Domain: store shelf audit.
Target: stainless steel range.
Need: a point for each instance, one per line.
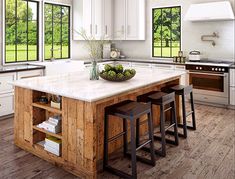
(210, 81)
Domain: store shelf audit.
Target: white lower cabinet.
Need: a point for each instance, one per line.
(7, 90)
(5, 78)
(232, 96)
(6, 104)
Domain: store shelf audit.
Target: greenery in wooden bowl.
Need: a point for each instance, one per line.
(117, 73)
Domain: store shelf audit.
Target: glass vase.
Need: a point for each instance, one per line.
(94, 71)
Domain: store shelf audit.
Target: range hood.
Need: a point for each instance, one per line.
(212, 11)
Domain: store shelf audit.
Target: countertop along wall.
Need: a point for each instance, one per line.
(191, 35)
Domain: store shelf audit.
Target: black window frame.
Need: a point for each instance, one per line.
(16, 19)
(69, 31)
(180, 46)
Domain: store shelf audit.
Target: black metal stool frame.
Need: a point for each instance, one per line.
(134, 157)
(174, 124)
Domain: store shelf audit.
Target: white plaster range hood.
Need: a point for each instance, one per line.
(212, 11)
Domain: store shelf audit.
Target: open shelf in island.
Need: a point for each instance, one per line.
(59, 135)
(47, 107)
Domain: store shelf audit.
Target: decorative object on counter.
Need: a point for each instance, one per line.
(43, 100)
(194, 56)
(56, 101)
(106, 50)
(117, 73)
(180, 58)
(214, 35)
(115, 53)
(95, 47)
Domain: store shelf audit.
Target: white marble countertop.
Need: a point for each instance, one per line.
(77, 85)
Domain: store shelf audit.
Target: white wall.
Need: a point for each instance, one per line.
(191, 35)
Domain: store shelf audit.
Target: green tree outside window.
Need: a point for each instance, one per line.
(166, 32)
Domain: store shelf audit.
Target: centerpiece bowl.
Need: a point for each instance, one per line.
(116, 73)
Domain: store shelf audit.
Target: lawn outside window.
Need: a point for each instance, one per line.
(56, 31)
(21, 31)
(166, 31)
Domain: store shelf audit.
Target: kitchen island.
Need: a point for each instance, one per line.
(82, 111)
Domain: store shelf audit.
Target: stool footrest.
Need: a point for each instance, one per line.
(170, 126)
(141, 159)
(188, 127)
(158, 152)
(169, 141)
(117, 172)
(188, 114)
(142, 145)
(116, 136)
(179, 134)
(167, 109)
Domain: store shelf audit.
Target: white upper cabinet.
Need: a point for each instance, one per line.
(94, 16)
(129, 19)
(119, 14)
(111, 19)
(135, 19)
(108, 19)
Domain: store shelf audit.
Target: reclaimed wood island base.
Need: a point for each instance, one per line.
(82, 127)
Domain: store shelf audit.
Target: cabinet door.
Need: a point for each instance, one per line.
(5, 79)
(232, 95)
(87, 17)
(108, 19)
(135, 19)
(97, 8)
(119, 19)
(6, 104)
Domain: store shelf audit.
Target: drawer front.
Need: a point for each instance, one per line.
(6, 104)
(5, 87)
(163, 66)
(29, 74)
(232, 95)
(232, 77)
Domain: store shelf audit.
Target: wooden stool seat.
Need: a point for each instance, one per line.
(128, 110)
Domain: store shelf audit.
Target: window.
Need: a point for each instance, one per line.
(57, 31)
(166, 32)
(21, 31)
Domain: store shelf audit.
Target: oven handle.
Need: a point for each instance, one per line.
(224, 75)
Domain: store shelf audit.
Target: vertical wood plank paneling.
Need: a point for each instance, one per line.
(28, 120)
(89, 137)
(72, 124)
(80, 132)
(65, 129)
(16, 117)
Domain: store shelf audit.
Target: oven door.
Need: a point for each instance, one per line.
(213, 84)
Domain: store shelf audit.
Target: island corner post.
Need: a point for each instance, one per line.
(82, 127)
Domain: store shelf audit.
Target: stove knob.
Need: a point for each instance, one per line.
(219, 69)
(213, 69)
(200, 68)
(196, 68)
(223, 69)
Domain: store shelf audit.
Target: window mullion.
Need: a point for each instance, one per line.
(61, 32)
(27, 31)
(16, 41)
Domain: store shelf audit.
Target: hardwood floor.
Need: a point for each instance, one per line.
(207, 153)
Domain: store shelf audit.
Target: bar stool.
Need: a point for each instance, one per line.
(161, 99)
(182, 90)
(128, 110)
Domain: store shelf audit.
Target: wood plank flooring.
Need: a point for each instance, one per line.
(207, 153)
